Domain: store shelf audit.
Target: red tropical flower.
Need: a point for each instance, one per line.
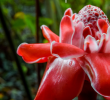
(78, 57)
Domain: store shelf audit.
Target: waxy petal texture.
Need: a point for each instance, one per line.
(66, 30)
(62, 80)
(97, 67)
(66, 51)
(32, 53)
(48, 34)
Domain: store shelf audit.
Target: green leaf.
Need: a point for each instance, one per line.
(45, 41)
(6, 1)
(97, 2)
(45, 21)
(18, 24)
(30, 22)
(2, 36)
(65, 5)
(24, 68)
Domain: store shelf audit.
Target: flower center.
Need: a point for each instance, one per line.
(89, 15)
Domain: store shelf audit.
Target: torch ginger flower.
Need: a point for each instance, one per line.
(76, 58)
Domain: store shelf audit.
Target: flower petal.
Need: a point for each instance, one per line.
(102, 43)
(102, 25)
(107, 44)
(68, 12)
(73, 16)
(91, 44)
(66, 51)
(62, 80)
(108, 34)
(48, 34)
(32, 53)
(66, 30)
(87, 31)
(97, 67)
(78, 39)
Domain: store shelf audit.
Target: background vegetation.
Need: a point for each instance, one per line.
(22, 19)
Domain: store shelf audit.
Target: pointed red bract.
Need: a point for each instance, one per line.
(97, 67)
(32, 53)
(87, 31)
(73, 16)
(68, 12)
(66, 30)
(65, 51)
(102, 25)
(62, 80)
(48, 34)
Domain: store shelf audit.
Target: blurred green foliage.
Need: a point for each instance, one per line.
(20, 16)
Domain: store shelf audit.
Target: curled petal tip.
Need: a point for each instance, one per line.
(18, 49)
(48, 34)
(43, 26)
(32, 53)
